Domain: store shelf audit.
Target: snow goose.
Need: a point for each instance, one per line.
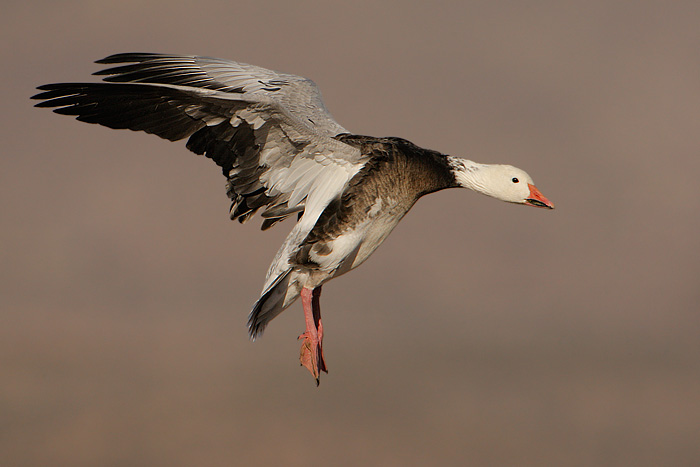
(282, 153)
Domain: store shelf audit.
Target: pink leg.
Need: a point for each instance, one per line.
(311, 355)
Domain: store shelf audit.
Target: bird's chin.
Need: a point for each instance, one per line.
(537, 203)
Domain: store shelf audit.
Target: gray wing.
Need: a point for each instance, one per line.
(269, 132)
(300, 96)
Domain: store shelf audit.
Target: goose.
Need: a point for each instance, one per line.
(282, 153)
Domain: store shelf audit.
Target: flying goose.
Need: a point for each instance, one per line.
(282, 153)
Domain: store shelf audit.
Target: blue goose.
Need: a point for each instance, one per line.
(283, 154)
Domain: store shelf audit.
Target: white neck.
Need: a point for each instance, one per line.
(467, 173)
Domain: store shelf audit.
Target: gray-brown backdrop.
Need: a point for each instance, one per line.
(480, 333)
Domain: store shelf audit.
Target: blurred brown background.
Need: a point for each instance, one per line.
(480, 333)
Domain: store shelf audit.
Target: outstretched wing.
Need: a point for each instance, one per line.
(269, 132)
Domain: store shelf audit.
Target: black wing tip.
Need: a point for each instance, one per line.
(130, 57)
(40, 96)
(46, 88)
(43, 103)
(53, 91)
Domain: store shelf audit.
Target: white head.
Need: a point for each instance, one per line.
(503, 182)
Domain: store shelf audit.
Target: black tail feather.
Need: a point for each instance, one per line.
(268, 306)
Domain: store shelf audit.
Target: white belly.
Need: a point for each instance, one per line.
(354, 246)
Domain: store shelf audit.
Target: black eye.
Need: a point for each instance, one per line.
(515, 180)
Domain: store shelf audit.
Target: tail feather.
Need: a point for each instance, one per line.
(269, 305)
